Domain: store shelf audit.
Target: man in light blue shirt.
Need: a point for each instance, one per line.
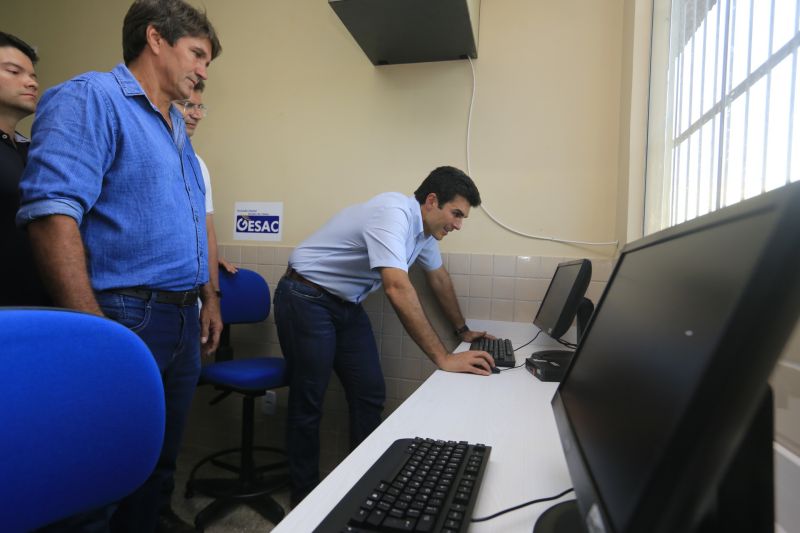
(113, 200)
(323, 328)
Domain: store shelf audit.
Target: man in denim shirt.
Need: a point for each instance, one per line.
(113, 200)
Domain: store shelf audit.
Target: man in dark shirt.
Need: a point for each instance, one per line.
(19, 92)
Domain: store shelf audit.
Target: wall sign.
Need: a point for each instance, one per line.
(258, 221)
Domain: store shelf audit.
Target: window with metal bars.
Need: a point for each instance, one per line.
(723, 121)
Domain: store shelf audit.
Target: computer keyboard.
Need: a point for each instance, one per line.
(420, 485)
(500, 349)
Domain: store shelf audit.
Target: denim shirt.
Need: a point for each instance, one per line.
(345, 255)
(103, 155)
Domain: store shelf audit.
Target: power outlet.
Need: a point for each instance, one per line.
(269, 403)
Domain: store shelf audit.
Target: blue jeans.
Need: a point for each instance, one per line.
(172, 333)
(319, 334)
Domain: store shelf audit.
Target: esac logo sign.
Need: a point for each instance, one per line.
(258, 221)
(258, 224)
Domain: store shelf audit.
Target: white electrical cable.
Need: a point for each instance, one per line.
(483, 204)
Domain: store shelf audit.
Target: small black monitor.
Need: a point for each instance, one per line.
(564, 297)
(665, 414)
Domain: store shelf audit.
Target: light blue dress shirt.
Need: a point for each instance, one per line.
(345, 254)
(103, 155)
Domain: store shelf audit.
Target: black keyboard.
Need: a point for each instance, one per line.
(500, 349)
(420, 485)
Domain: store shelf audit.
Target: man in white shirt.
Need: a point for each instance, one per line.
(194, 110)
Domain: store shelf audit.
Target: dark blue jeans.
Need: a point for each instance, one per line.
(172, 333)
(320, 334)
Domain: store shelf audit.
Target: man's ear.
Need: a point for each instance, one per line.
(432, 200)
(154, 39)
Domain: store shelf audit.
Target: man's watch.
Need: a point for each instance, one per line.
(463, 329)
(218, 293)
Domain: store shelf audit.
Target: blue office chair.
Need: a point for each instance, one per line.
(245, 300)
(81, 412)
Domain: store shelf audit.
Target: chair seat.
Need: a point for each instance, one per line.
(256, 374)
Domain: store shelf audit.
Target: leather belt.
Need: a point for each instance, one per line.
(181, 298)
(296, 276)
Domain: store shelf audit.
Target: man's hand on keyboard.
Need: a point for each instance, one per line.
(472, 361)
(471, 336)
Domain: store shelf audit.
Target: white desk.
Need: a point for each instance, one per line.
(509, 411)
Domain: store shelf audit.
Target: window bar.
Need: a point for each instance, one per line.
(724, 129)
(747, 101)
(715, 177)
(689, 110)
(680, 72)
(702, 100)
(766, 104)
(791, 98)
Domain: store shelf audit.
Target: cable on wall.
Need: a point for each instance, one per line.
(483, 204)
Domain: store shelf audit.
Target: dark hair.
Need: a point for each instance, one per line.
(447, 183)
(6, 39)
(200, 86)
(172, 18)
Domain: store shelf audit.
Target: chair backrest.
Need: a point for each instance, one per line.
(245, 297)
(81, 414)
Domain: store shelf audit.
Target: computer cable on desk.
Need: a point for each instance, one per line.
(510, 368)
(520, 506)
(530, 341)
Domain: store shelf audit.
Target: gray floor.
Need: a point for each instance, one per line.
(241, 520)
(210, 429)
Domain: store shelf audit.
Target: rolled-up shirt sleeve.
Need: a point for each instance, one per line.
(73, 145)
(385, 234)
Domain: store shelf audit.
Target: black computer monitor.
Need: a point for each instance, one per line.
(564, 298)
(665, 414)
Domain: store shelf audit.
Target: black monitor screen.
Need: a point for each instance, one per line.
(674, 364)
(563, 296)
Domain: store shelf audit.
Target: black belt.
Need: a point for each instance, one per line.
(163, 297)
(295, 275)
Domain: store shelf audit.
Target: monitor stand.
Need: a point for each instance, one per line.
(563, 517)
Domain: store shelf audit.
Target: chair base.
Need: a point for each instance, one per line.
(251, 488)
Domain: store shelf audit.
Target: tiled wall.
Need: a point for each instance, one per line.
(496, 287)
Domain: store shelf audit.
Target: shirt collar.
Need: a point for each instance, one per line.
(418, 228)
(130, 86)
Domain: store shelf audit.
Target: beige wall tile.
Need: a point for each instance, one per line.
(480, 286)
(530, 288)
(266, 255)
(503, 288)
(481, 264)
(504, 265)
(480, 308)
(391, 345)
(460, 284)
(233, 253)
(282, 255)
(401, 367)
(502, 310)
(250, 254)
(528, 266)
(458, 263)
(525, 311)
(391, 323)
(410, 348)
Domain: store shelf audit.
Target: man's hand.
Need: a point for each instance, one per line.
(471, 361)
(229, 267)
(471, 336)
(210, 324)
